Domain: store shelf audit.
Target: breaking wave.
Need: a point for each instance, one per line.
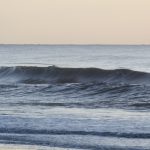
(53, 74)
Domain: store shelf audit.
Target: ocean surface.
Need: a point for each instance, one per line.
(74, 97)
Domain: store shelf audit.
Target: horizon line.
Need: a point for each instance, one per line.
(76, 44)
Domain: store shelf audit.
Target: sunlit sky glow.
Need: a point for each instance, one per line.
(75, 21)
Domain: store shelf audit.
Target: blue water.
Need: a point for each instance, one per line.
(74, 97)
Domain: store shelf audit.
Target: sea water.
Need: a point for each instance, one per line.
(58, 97)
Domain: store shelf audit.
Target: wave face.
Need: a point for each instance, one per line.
(53, 74)
(88, 88)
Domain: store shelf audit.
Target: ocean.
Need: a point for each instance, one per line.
(75, 97)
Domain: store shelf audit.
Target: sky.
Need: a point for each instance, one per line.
(75, 21)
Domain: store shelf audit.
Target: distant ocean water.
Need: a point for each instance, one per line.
(75, 97)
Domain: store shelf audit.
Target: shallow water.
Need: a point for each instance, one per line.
(74, 97)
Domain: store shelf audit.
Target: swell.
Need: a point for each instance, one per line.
(87, 133)
(81, 95)
(53, 74)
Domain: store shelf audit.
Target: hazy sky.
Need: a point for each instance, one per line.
(75, 21)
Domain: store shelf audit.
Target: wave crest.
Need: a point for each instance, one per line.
(53, 74)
